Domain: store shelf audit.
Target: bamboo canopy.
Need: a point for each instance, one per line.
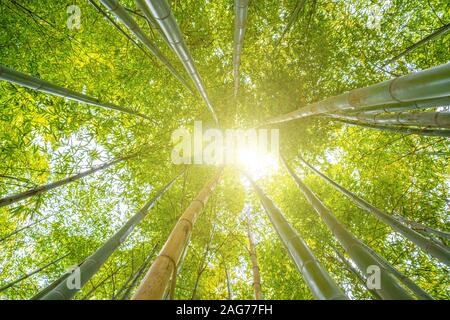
(240, 22)
(157, 280)
(37, 84)
(8, 200)
(316, 277)
(162, 13)
(389, 287)
(425, 119)
(431, 248)
(115, 7)
(93, 263)
(428, 84)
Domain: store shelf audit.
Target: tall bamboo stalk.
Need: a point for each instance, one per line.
(98, 285)
(411, 285)
(425, 119)
(115, 7)
(255, 267)
(137, 275)
(26, 276)
(418, 44)
(161, 12)
(26, 227)
(430, 247)
(93, 263)
(240, 24)
(316, 277)
(157, 280)
(292, 18)
(400, 129)
(427, 84)
(44, 188)
(407, 106)
(389, 287)
(203, 265)
(37, 84)
(421, 227)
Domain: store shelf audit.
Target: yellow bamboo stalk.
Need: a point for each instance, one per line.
(164, 268)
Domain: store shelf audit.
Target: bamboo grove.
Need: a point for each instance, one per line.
(91, 92)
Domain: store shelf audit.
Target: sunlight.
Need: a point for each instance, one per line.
(257, 164)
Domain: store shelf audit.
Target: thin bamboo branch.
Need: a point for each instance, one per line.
(8, 200)
(98, 285)
(37, 84)
(442, 30)
(140, 272)
(24, 228)
(292, 19)
(26, 276)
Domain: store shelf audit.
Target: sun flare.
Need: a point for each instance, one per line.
(257, 164)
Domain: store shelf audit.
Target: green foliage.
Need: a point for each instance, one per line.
(329, 49)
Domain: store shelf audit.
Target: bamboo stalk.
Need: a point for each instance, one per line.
(389, 288)
(138, 275)
(293, 17)
(202, 266)
(132, 275)
(24, 228)
(316, 277)
(116, 8)
(407, 106)
(37, 84)
(162, 14)
(425, 119)
(255, 267)
(98, 285)
(400, 129)
(430, 247)
(427, 84)
(26, 276)
(93, 263)
(240, 24)
(157, 280)
(421, 227)
(8, 200)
